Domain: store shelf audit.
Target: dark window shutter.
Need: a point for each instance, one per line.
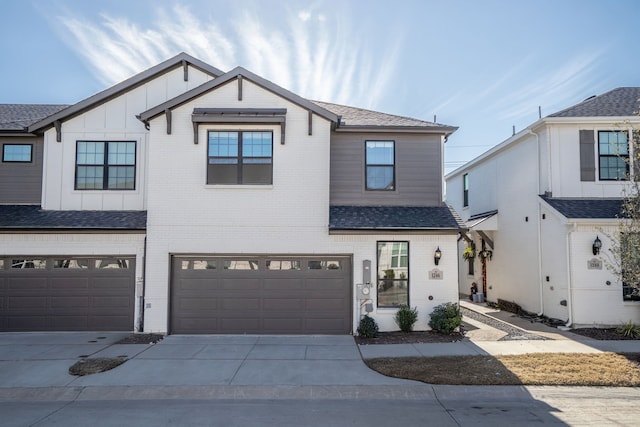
(587, 156)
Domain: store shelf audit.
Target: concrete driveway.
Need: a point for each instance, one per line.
(43, 360)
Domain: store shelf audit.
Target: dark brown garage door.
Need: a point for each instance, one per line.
(261, 295)
(66, 293)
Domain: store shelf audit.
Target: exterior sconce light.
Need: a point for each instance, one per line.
(437, 256)
(597, 245)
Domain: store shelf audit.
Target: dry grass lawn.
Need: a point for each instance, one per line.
(575, 369)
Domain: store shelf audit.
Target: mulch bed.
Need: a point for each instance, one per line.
(141, 339)
(93, 366)
(415, 337)
(601, 334)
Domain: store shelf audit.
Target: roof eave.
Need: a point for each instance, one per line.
(446, 130)
(122, 87)
(227, 78)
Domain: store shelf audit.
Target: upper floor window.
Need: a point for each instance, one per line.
(240, 157)
(105, 165)
(380, 168)
(17, 153)
(465, 190)
(613, 151)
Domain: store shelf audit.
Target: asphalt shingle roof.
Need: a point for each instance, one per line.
(586, 208)
(622, 101)
(34, 217)
(16, 117)
(352, 116)
(392, 218)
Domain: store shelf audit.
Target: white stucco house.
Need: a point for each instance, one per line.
(539, 200)
(191, 200)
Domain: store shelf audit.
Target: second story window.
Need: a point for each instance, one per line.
(105, 165)
(380, 171)
(465, 190)
(17, 153)
(240, 158)
(613, 152)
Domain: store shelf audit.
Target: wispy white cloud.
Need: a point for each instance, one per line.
(313, 55)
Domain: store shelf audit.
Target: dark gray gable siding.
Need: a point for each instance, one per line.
(393, 218)
(25, 217)
(584, 208)
(587, 156)
(418, 170)
(22, 182)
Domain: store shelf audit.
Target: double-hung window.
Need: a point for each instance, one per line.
(613, 151)
(240, 157)
(105, 165)
(393, 274)
(465, 190)
(380, 165)
(17, 153)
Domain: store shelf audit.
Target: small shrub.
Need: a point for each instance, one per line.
(445, 318)
(368, 328)
(406, 317)
(629, 330)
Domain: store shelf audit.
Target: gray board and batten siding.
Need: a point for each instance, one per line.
(418, 173)
(21, 182)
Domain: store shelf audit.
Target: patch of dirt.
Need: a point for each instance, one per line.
(601, 334)
(94, 366)
(415, 337)
(141, 339)
(574, 369)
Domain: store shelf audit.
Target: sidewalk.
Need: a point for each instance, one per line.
(485, 340)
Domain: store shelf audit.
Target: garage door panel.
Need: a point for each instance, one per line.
(108, 323)
(69, 302)
(112, 302)
(111, 283)
(194, 303)
(27, 323)
(275, 297)
(241, 283)
(73, 283)
(26, 302)
(240, 303)
(27, 282)
(249, 325)
(198, 284)
(283, 284)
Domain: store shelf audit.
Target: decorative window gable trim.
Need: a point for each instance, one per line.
(239, 115)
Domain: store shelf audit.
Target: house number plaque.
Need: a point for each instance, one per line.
(436, 274)
(594, 264)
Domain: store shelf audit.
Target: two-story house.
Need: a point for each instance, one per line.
(545, 205)
(189, 200)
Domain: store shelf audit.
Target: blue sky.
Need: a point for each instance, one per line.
(482, 65)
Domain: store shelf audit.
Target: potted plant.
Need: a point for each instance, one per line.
(469, 253)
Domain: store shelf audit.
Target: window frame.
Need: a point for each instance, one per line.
(367, 165)
(383, 281)
(465, 190)
(4, 153)
(624, 157)
(239, 157)
(106, 165)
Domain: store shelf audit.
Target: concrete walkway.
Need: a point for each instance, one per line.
(485, 340)
(41, 360)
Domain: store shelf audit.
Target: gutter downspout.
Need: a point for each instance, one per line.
(570, 277)
(144, 284)
(539, 221)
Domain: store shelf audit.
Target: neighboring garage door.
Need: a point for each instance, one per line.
(261, 295)
(66, 293)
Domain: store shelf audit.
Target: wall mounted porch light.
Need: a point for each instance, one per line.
(437, 255)
(597, 245)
